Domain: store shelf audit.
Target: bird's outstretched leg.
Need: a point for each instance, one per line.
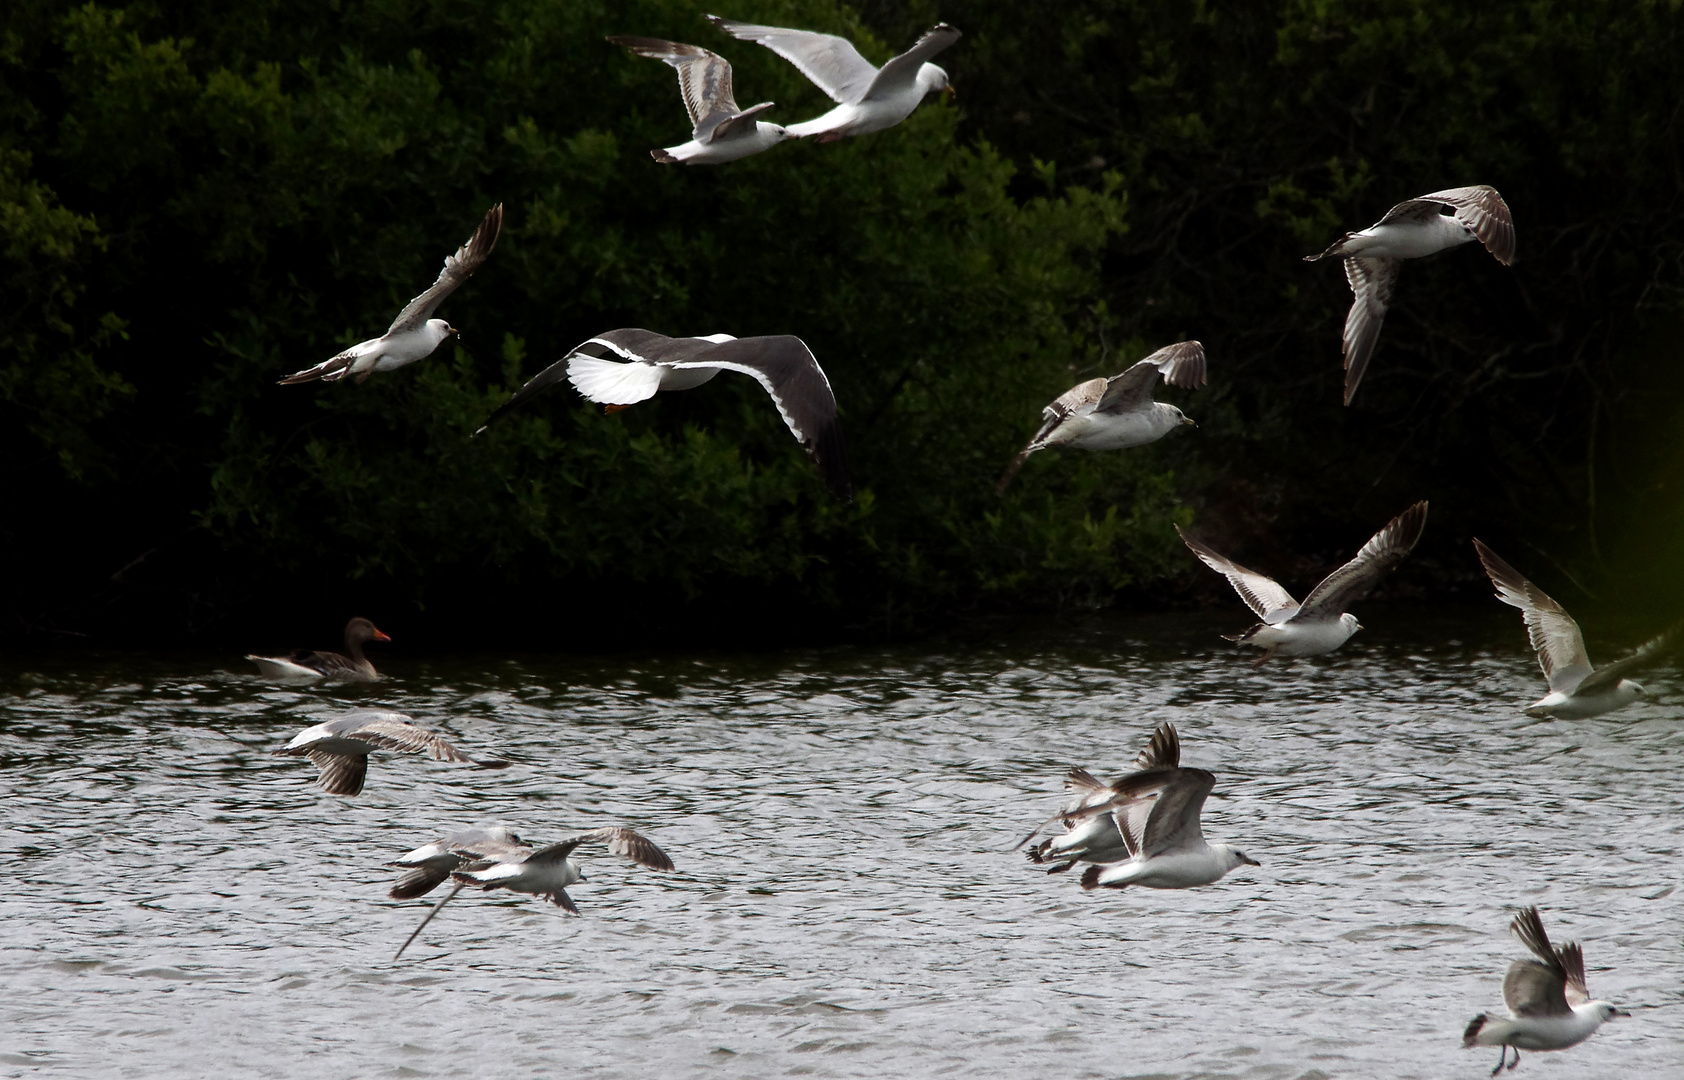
(611, 409)
(1516, 1060)
(1264, 659)
(1502, 1059)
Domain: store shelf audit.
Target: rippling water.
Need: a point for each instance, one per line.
(846, 903)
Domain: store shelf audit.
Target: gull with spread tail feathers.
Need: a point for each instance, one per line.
(414, 334)
(1117, 413)
(1549, 1006)
(720, 131)
(1576, 690)
(340, 747)
(502, 863)
(1320, 624)
(623, 367)
(1410, 230)
(868, 99)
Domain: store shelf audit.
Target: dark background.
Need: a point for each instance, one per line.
(195, 202)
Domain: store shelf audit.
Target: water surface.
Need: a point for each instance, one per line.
(847, 902)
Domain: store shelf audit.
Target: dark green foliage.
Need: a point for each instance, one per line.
(196, 201)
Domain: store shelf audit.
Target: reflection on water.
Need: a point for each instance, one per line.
(846, 901)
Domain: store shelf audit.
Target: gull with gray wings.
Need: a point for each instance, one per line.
(1576, 690)
(868, 99)
(1410, 230)
(1320, 624)
(414, 334)
(1099, 837)
(1117, 413)
(493, 862)
(1550, 1007)
(720, 131)
(622, 367)
(340, 747)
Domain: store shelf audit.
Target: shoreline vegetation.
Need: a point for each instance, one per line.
(194, 204)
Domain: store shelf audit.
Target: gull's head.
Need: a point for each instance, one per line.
(1630, 690)
(1182, 418)
(933, 79)
(440, 329)
(773, 132)
(1236, 857)
(1604, 1011)
(1349, 622)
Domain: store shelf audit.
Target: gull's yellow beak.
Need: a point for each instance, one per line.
(949, 92)
(1189, 420)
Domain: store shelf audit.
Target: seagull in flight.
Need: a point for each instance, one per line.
(414, 334)
(1576, 690)
(721, 131)
(431, 865)
(622, 367)
(1157, 814)
(340, 748)
(1320, 624)
(1549, 1005)
(1117, 413)
(504, 863)
(867, 99)
(1099, 838)
(1411, 230)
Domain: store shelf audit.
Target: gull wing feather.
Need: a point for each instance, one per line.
(1174, 819)
(704, 81)
(1182, 364)
(1263, 594)
(1163, 750)
(830, 62)
(626, 843)
(1351, 582)
(1555, 636)
(632, 345)
(788, 370)
(901, 72)
(1609, 675)
(457, 269)
(1541, 988)
(341, 774)
(741, 123)
(1482, 211)
(1373, 281)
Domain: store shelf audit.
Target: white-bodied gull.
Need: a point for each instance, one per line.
(1410, 230)
(414, 334)
(623, 367)
(721, 131)
(1099, 838)
(340, 747)
(867, 99)
(305, 664)
(1117, 413)
(544, 872)
(1576, 690)
(1165, 844)
(1320, 624)
(1549, 1005)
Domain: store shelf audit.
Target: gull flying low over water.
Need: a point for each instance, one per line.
(545, 872)
(1577, 690)
(430, 865)
(1098, 837)
(867, 99)
(1411, 230)
(1320, 624)
(1157, 815)
(1117, 413)
(305, 664)
(340, 748)
(721, 131)
(623, 367)
(1547, 999)
(414, 334)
